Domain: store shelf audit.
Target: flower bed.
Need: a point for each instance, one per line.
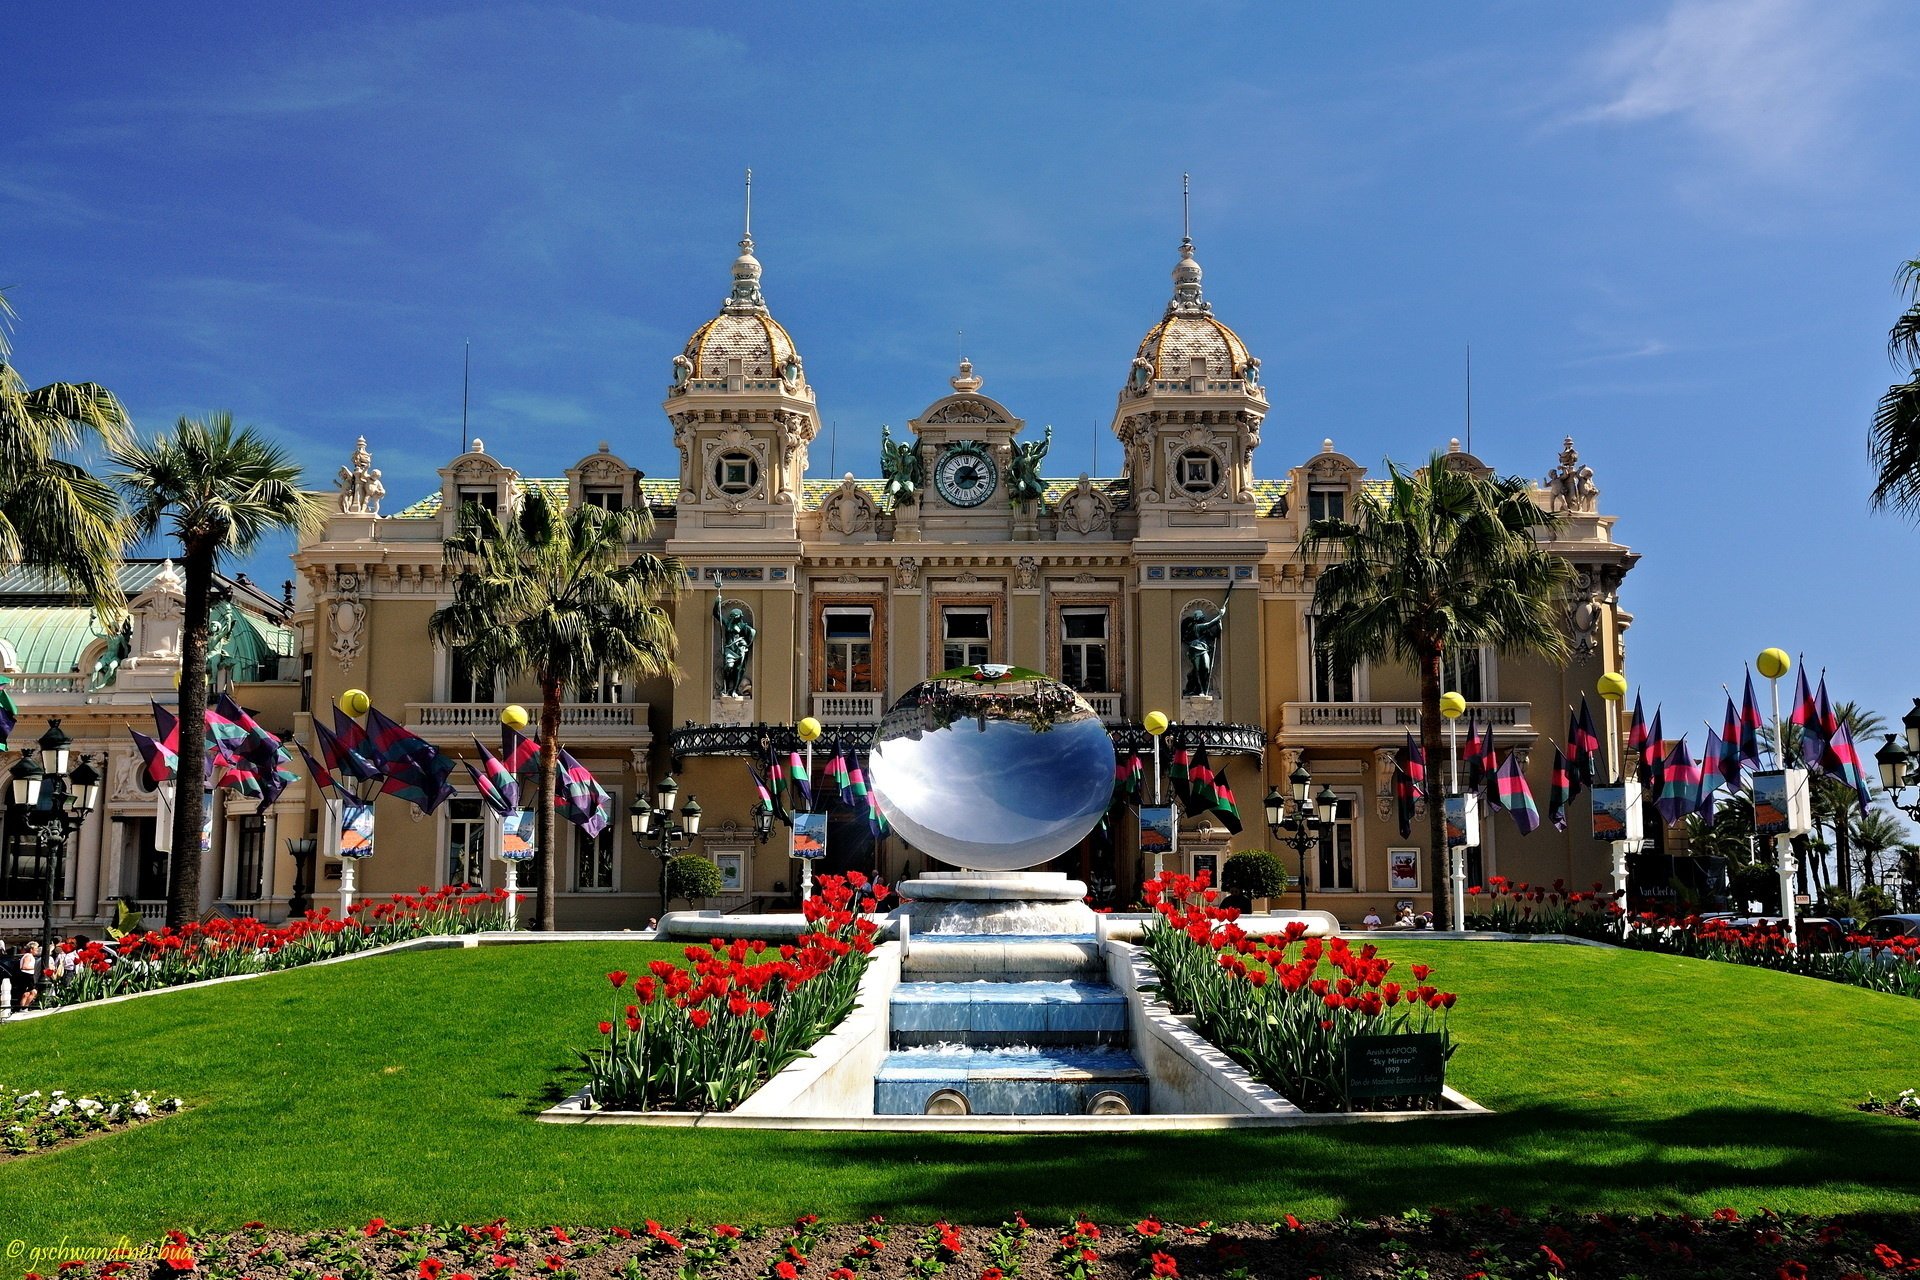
(1905, 1104)
(1483, 1244)
(1272, 1008)
(1508, 906)
(223, 948)
(35, 1120)
(702, 1039)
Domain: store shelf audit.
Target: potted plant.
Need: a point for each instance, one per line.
(693, 877)
(1255, 875)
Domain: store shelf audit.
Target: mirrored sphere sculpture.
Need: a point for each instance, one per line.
(992, 768)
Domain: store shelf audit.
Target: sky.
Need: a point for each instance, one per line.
(1667, 228)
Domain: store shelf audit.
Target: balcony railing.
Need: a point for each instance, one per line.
(1105, 705)
(577, 719)
(62, 683)
(847, 708)
(1384, 720)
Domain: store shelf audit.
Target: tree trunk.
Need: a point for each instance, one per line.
(1436, 816)
(548, 826)
(1843, 848)
(189, 810)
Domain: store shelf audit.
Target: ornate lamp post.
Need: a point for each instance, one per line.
(1900, 765)
(55, 803)
(654, 826)
(301, 849)
(1305, 826)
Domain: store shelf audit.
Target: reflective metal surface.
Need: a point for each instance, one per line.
(992, 769)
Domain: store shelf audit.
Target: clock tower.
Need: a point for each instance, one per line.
(966, 446)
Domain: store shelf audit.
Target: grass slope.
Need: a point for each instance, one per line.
(404, 1086)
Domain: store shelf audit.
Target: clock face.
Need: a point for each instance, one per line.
(966, 476)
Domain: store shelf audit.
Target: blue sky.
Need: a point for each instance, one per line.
(1668, 229)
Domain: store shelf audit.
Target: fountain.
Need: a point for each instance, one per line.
(1004, 1007)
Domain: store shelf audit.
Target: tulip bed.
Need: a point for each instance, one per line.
(702, 1039)
(1271, 1008)
(201, 950)
(1487, 1243)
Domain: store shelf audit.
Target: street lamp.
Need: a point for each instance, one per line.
(1900, 766)
(301, 849)
(1305, 821)
(54, 802)
(654, 827)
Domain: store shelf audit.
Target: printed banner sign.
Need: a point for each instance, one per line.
(809, 837)
(1781, 803)
(518, 837)
(1463, 821)
(356, 830)
(1616, 813)
(1159, 830)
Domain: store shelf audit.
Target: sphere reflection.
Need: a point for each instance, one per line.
(992, 768)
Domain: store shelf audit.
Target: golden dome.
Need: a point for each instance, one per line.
(1188, 332)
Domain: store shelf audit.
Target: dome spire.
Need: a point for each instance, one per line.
(1186, 272)
(745, 295)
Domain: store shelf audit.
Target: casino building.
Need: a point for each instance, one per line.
(856, 589)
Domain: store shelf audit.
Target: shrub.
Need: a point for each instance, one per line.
(692, 877)
(1255, 873)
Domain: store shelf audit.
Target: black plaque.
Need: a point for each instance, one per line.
(1410, 1066)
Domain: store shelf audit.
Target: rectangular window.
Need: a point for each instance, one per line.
(1331, 682)
(1336, 850)
(250, 858)
(1326, 504)
(593, 860)
(150, 864)
(22, 870)
(464, 683)
(1083, 649)
(849, 656)
(487, 499)
(466, 842)
(966, 636)
(607, 688)
(605, 499)
(1465, 673)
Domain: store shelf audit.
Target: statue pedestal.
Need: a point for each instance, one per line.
(732, 711)
(1205, 709)
(1026, 522)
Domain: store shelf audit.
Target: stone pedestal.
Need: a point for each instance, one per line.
(732, 711)
(1205, 709)
(1004, 902)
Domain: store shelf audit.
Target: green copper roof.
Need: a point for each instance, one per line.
(46, 638)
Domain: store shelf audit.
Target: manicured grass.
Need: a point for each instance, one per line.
(404, 1087)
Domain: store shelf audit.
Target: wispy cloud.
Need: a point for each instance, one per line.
(1768, 84)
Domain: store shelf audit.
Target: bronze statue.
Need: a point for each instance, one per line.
(900, 464)
(1200, 642)
(1023, 473)
(736, 648)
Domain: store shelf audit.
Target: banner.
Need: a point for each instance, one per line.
(356, 830)
(518, 837)
(1159, 830)
(809, 836)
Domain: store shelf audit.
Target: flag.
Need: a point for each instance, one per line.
(1512, 794)
(499, 789)
(760, 787)
(9, 714)
(1473, 756)
(162, 763)
(1805, 717)
(1223, 805)
(581, 799)
(322, 776)
(1637, 738)
(415, 770)
(1679, 784)
(1409, 778)
(1561, 790)
(1713, 767)
(836, 773)
(776, 783)
(1749, 726)
(1179, 774)
(1727, 762)
(876, 820)
(517, 750)
(1820, 730)
(799, 779)
(264, 751)
(1200, 789)
(347, 750)
(1652, 776)
(1583, 744)
(1416, 765)
(1842, 760)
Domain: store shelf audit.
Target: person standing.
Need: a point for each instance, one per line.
(27, 989)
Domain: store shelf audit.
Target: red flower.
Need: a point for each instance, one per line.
(430, 1269)
(618, 978)
(1164, 1265)
(1888, 1255)
(786, 1271)
(1293, 1223)
(1792, 1270)
(501, 1262)
(1553, 1258)
(556, 1263)
(559, 1233)
(1089, 1255)
(759, 1033)
(700, 1018)
(1726, 1215)
(1148, 1227)
(724, 1229)
(374, 1227)
(606, 1028)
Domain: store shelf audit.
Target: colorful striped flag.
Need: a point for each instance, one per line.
(799, 779)
(1727, 764)
(9, 713)
(876, 820)
(1560, 791)
(323, 778)
(1820, 730)
(517, 750)
(1128, 778)
(1583, 745)
(580, 797)
(1679, 784)
(1805, 717)
(765, 801)
(346, 749)
(1200, 788)
(1713, 768)
(1224, 807)
(161, 762)
(265, 752)
(415, 770)
(1842, 760)
(1512, 794)
(1637, 739)
(499, 789)
(836, 773)
(1179, 774)
(1473, 756)
(1749, 726)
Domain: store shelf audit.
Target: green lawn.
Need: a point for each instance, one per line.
(404, 1086)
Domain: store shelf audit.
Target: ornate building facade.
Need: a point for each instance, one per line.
(831, 597)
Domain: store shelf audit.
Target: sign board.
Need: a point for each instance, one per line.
(1616, 813)
(356, 830)
(1411, 1066)
(1782, 803)
(518, 836)
(1403, 870)
(1159, 830)
(1463, 821)
(809, 838)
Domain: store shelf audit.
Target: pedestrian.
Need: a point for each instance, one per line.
(28, 987)
(1372, 921)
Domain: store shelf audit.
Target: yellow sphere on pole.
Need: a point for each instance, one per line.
(1155, 722)
(1773, 663)
(515, 716)
(1452, 705)
(1612, 686)
(808, 729)
(355, 702)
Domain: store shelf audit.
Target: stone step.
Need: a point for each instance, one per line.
(986, 1013)
(985, 956)
(1008, 1081)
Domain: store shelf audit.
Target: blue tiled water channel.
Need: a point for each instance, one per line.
(1014, 1026)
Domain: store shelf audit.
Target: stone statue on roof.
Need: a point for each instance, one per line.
(1570, 485)
(1023, 473)
(359, 483)
(106, 667)
(223, 624)
(900, 465)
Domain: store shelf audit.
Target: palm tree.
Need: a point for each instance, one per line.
(1446, 558)
(54, 512)
(558, 597)
(218, 491)
(1876, 832)
(1895, 440)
